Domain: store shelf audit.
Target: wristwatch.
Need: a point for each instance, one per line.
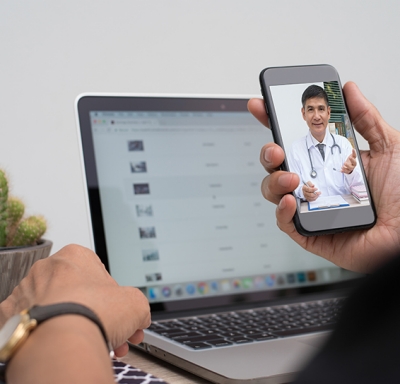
(17, 329)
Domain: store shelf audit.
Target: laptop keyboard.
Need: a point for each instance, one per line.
(224, 329)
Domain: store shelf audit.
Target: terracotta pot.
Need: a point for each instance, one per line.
(16, 262)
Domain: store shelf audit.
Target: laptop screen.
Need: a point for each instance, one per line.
(176, 204)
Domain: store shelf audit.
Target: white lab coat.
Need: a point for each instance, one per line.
(328, 181)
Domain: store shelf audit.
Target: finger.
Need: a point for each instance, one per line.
(351, 160)
(354, 154)
(279, 183)
(312, 197)
(257, 109)
(122, 350)
(284, 214)
(308, 190)
(350, 164)
(310, 187)
(271, 157)
(137, 337)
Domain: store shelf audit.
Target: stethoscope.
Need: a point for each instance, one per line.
(313, 172)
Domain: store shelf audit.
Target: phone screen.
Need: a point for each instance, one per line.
(309, 120)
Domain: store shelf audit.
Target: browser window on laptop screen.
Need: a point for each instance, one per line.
(182, 210)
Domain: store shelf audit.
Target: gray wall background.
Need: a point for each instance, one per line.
(51, 51)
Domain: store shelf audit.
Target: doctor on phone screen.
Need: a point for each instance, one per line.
(326, 162)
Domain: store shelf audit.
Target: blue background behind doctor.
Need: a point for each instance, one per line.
(331, 172)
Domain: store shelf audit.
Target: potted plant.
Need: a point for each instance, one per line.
(21, 242)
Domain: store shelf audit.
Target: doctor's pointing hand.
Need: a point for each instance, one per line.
(350, 163)
(326, 163)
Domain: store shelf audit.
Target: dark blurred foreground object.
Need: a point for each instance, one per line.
(365, 345)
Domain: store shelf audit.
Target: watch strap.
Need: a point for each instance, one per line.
(43, 313)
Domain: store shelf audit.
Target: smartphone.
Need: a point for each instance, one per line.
(309, 120)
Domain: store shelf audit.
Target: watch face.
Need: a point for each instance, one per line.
(9, 328)
(14, 332)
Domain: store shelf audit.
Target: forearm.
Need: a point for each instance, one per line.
(64, 349)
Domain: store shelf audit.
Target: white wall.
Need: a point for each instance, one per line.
(50, 51)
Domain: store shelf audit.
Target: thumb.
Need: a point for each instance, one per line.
(366, 119)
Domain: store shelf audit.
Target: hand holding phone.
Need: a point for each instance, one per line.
(364, 250)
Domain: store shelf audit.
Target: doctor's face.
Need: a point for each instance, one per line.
(316, 113)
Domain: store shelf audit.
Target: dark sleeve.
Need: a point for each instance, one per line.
(365, 345)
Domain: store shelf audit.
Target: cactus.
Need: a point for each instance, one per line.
(15, 211)
(14, 230)
(29, 231)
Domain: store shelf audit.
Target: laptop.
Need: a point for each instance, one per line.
(173, 192)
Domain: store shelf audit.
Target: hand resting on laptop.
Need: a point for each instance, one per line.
(74, 274)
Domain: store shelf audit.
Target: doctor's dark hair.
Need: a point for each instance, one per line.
(314, 91)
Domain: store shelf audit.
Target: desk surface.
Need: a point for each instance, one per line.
(161, 369)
